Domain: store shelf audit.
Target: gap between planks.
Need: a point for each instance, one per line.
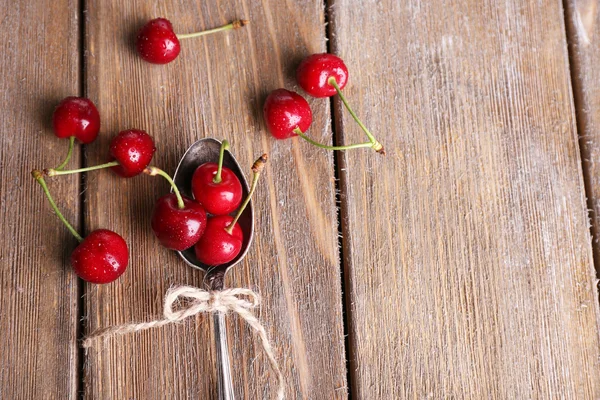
(337, 155)
(576, 70)
(80, 329)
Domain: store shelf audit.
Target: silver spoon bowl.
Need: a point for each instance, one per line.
(203, 151)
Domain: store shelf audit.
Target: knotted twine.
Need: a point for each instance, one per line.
(202, 301)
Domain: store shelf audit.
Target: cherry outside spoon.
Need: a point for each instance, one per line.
(207, 150)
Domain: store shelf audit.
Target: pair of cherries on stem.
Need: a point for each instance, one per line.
(158, 43)
(287, 114)
(102, 256)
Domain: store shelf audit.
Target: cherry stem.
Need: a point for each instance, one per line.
(376, 145)
(66, 161)
(38, 175)
(55, 172)
(153, 171)
(257, 168)
(234, 25)
(224, 146)
(298, 132)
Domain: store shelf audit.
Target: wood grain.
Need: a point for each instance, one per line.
(38, 296)
(215, 88)
(467, 250)
(582, 20)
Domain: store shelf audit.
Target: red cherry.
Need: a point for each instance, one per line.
(217, 198)
(284, 111)
(76, 116)
(217, 246)
(133, 149)
(101, 257)
(314, 72)
(157, 43)
(176, 228)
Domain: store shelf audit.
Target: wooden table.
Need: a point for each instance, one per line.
(458, 266)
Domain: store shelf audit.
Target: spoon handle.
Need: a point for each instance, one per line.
(225, 384)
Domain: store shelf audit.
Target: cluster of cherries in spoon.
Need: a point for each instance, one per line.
(204, 222)
(178, 222)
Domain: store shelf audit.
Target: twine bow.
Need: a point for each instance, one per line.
(240, 301)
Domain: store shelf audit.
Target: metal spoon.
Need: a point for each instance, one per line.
(207, 150)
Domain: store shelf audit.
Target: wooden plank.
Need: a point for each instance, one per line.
(467, 250)
(38, 300)
(215, 88)
(582, 29)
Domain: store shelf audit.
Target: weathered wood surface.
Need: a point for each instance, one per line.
(216, 88)
(467, 254)
(467, 250)
(38, 296)
(583, 19)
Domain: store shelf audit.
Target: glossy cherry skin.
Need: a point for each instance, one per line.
(315, 70)
(133, 149)
(216, 246)
(76, 116)
(217, 198)
(101, 257)
(285, 110)
(157, 43)
(178, 229)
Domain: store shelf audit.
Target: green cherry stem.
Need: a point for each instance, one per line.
(55, 172)
(66, 161)
(298, 132)
(224, 146)
(257, 168)
(376, 145)
(38, 175)
(153, 171)
(234, 25)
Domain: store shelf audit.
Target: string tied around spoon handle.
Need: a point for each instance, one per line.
(238, 300)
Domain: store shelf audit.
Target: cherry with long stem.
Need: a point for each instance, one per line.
(378, 147)
(177, 221)
(257, 168)
(234, 25)
(324, 75)
(158, 43)
(38, 175)
(69, 153)
(153, 171)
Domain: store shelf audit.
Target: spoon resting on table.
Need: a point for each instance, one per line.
(203, 151)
